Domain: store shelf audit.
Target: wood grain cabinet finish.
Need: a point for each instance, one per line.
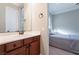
(28, 40)
(35, 48)
(27, 51)
(19, 51)
(34, 45)
(36, 38)
(28, 46)
(14, 45)
(2, 49)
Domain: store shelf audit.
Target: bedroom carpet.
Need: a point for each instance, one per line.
(56, 51)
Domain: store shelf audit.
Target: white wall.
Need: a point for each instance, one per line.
(27, 17)
(67, 22)
(39, 24)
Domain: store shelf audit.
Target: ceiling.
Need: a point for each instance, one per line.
(57, 8)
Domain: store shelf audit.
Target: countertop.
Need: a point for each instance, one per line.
(10, 37)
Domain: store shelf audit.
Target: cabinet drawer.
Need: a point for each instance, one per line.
(36, 38)
(1, 49)
(19, 51)
(14, 45)
(28, 40)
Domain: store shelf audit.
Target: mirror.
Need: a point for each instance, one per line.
(9, 18)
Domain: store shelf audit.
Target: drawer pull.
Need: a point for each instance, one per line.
(14, 45)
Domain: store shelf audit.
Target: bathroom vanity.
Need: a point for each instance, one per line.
(29, 45)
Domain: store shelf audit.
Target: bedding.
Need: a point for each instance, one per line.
(66, 42)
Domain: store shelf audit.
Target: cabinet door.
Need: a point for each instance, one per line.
(2, 49)
(27, 50)
(35, 48)
(18, 51)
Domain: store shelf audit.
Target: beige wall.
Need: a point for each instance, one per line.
(39, 24)
(27, 17)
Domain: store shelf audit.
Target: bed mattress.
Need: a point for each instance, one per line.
(70, 43)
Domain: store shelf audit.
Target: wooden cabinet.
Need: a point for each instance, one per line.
(28, 46)
(19, 51)
(2, 49)
(27, 50)
(35, 48)
(14, 45)
(28, 40)
(33, 45)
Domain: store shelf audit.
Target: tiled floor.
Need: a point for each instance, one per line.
(56, 51)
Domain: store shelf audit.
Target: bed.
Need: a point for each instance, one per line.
(65, 42)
